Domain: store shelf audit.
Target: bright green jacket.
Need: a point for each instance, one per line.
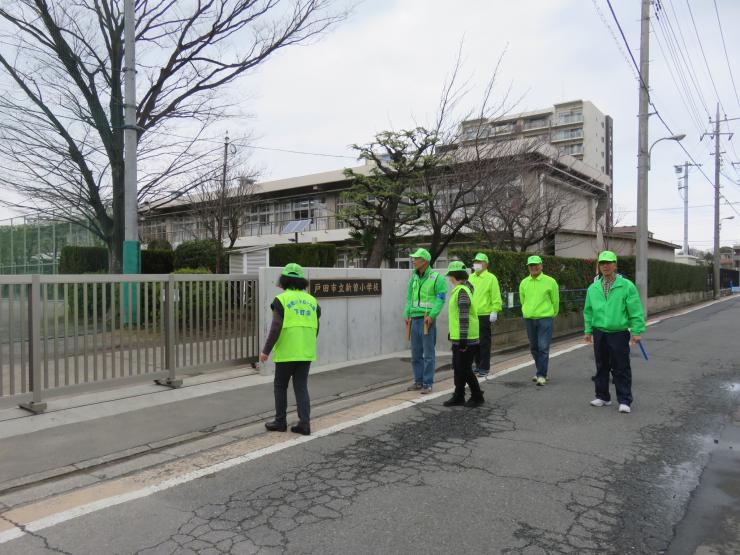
(486, 294)
(425, 295)
(539, 297)
(620, 311)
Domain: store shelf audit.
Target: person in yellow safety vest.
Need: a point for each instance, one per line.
(425, 298)
(539, 296)
(487, 299)
(292, 341)
(464, 335)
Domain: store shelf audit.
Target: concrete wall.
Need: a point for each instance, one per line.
(352, 328)
(668, 302)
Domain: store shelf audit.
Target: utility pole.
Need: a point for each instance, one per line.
(642, 158)
(685, 188)
(221, 200)
(717, 167)
(131, 247)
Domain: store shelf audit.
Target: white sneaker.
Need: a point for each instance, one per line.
(625, 409)
(600, 403)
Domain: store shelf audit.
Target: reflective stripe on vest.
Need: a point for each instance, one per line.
(417, 288)
(454, 316)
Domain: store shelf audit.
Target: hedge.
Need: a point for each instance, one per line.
(159, 245)
(83, 260)
(664, 278)
(197, 254)
(310, 255)
(157, 261)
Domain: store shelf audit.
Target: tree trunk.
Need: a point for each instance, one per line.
(380, 246)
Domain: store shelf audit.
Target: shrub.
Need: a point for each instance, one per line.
(664, 278)
(157, 261)
(197, 254)
(311, 255)
(159, 245)
(83, 260)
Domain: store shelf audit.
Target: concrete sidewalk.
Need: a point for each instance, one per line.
(90, 432)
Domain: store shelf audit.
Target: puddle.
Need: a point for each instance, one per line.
(732, 387)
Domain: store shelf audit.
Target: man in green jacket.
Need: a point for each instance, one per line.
(539, 296)
(487, 301)
(425, 298)
(612, 313)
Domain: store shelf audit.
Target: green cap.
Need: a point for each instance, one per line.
(456, 266)
(422, 253)
(293, 270)
(481, 257)
(607, 256)
(534, 260)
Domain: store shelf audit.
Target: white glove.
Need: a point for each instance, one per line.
(493, 317)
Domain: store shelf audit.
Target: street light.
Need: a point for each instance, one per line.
(727, 218)
(641, 250)
(679, 137)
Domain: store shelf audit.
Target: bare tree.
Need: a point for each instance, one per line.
(529, 205)
(221, 200)
(62, 147)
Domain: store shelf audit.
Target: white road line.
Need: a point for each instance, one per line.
(101, 504)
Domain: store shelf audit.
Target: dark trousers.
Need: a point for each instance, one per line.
(539, 332)
(462, 365)
(612, 353)
(284, 371)
(483, 356)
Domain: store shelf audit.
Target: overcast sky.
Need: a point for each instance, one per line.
(384, 67)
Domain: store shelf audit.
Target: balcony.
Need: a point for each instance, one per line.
(568, 119)
(250, 229)
(567, 135)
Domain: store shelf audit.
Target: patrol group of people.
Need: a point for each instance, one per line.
(613, 320)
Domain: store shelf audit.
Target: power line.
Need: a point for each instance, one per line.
(652, 104)
(724, 46)
(220, 141)
(692, 69)
(678, 57)
(704, 55)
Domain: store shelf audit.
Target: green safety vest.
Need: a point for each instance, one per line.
(454, 316)
(423, 292)
(297, 341)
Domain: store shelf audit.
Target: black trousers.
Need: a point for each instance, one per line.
(483, 356)
(462, 366)
(284, 371)
(612, 354)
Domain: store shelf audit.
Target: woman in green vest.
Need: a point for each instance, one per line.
(292, 340)
(464, 334)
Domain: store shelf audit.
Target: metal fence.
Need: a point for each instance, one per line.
(571, 300)
(69, 331)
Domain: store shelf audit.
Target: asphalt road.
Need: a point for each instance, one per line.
(534, 471)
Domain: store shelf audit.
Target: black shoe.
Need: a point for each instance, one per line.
(455, 401)
(301, 429)
(275, 427)
(475, 400)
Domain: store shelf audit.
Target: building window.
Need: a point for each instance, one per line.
(568, 134)
(571, 116)
(572, 149)
(536, 123)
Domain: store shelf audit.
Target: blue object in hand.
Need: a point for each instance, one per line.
(644, 352)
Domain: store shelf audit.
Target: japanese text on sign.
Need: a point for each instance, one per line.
(342, 287)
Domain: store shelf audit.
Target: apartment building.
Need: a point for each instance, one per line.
(576, 128)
